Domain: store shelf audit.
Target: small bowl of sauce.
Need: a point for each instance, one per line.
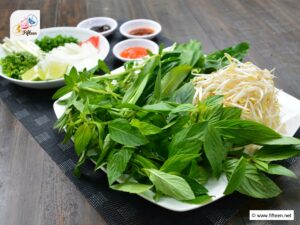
(102, 25)
(133, 49)
(140, 28)
(101, 29)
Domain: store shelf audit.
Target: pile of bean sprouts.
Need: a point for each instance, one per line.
(243, 85)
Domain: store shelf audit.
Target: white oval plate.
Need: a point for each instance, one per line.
(290, 115)
(79, 33)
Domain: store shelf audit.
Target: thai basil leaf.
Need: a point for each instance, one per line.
(62, 91)
(145, 128)
(117, 163)
(184, 94)
(257, 185)
(199, 200)
(173, 79)
(199, 173)
(231, 113)
(159, 107)
(82, 138)
(103, 66)
(280, 170)
(245, 131)
(274, 153)
(136, 89)
(178, 162)
(157, 86)
(236, 177)
(183, 108)
(131, 187)
(171, 185)
(143, 162)
(190, 52)
(122, 132)
(214, 150)
(189, 140)
(196, 186)
(217, 60)
(282, 141)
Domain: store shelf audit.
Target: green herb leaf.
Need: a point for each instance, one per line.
(103, 66)
(184, 94)
(18, 63)
(131, 187)
(188, 140)
(257, 185)
(143, 162)
(61, 92)
(245, 131)
(48, 43)
(280, 170)
(171, 185)
(183, 108)
(178, 162)
(199, 173)
(117, 163)
(145, 128)
(159, 107)
(274, 153)
(82, 138)
(196, 186)
(217, 60)
(231, 113)
(136, 89)
(214, 150)
(282, 141)
(236, 176)
(172, 80)
(199, 200)
(122, 132)
(190, 52)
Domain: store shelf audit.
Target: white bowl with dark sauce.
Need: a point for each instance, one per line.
(102, 25)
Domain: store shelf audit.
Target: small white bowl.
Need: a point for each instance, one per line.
(140, 23)
(121, 46)
(99, 21)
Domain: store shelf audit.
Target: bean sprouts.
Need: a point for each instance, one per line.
(243, 85)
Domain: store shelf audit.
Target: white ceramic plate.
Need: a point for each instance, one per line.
(79, 33)
(290, 115)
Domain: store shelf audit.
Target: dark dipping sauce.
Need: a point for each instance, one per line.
(141, 31)
(101, 28)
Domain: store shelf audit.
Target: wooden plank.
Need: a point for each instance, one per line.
(33, 190)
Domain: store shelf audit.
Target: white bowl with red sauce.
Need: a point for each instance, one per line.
(140, 28)
(134, 49)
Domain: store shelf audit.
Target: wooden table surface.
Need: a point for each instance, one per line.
(34, 191)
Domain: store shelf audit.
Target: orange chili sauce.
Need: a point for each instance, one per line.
(134, 52)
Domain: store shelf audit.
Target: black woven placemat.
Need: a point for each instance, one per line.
(33, 108)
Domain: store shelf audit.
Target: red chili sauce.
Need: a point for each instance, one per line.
(141, 31)
(134, 53)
